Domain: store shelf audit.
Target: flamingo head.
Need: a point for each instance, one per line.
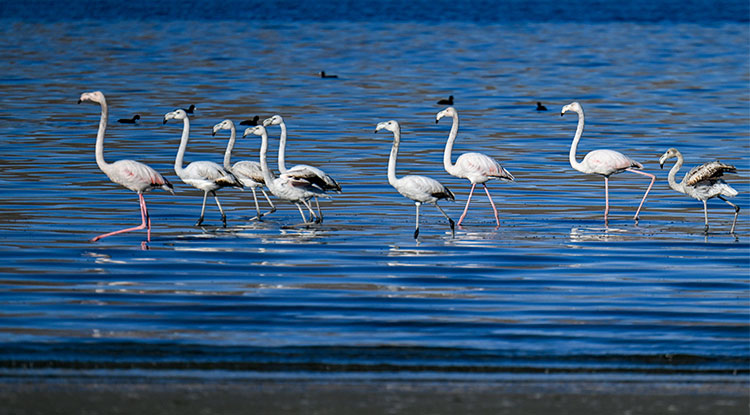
(257, 130)
(671, 153)
(391, 126)
(95, 96)
(450, 111)
(275, 120)
(224, 125)
(175, 115)
(573, 106)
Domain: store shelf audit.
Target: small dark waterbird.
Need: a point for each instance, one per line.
(540, 107)
(323, 74)
(448, 101)
(252, 122)
(132, 120)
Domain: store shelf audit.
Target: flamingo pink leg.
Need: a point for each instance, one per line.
(606, 200)
(466, 209)
(145, 222)
(494, 209)
(653, 179)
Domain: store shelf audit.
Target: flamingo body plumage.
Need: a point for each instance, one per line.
(478, 168)
(131, 174)
(203, 175)
(603, 162)
(702, 182)
(420, 189)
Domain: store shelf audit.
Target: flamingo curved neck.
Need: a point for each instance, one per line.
(282, 148)
(103, 165)
(267, 175)
(680, 187)
(574, 147)
(183, 145)
(447, 154)
(392, 160)
(230, 147)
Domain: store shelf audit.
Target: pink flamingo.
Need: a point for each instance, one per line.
(476, 167)
(131, 174)
(603, 162)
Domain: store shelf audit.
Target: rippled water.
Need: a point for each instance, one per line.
(550, 289)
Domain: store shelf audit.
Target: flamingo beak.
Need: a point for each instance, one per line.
(79, 101)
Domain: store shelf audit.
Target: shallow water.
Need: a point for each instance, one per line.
(550, 289)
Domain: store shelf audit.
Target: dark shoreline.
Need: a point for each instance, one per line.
(107, 395)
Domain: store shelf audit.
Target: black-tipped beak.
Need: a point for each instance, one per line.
(376, 131)
(213, 133)
(436, 121)
(79, 101)
(661, 165)
(562, 113)
(164, 122)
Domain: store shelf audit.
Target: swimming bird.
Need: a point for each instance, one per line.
(292, 189)
(130, 174)
(189, 110)
(312, 174)
(253, 121)
(324, 75)
(135, 118)
(204, 175)
(702, 182)
(448, 101)
(603, 162)
(247, 172)
(478, 168)
(420, 189)
(540, 107)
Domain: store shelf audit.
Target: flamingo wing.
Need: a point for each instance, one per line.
(608, 162)
(479, 168)
(137, 176)
(315, 176)
(708, 171)
(247, 171)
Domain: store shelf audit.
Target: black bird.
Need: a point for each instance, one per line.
(254, 121)
(540, 107)
(135, 118)
(323, 75)
(189, 109)
(448, 101)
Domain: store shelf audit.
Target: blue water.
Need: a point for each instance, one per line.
(550, 291)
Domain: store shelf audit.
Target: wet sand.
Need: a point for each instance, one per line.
(370, 397)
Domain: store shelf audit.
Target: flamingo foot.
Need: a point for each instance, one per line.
(200, 221)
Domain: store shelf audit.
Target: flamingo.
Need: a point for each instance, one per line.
(420, 189)
(603, 162)
(476, 167)
(130, 174)
(248, 173)
(702, 182)
(312, 174)
(204, 175)
(290, 188)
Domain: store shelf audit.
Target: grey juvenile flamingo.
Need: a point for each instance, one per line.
(702, 182)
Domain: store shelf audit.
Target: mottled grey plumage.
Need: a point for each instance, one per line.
(702, 182)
